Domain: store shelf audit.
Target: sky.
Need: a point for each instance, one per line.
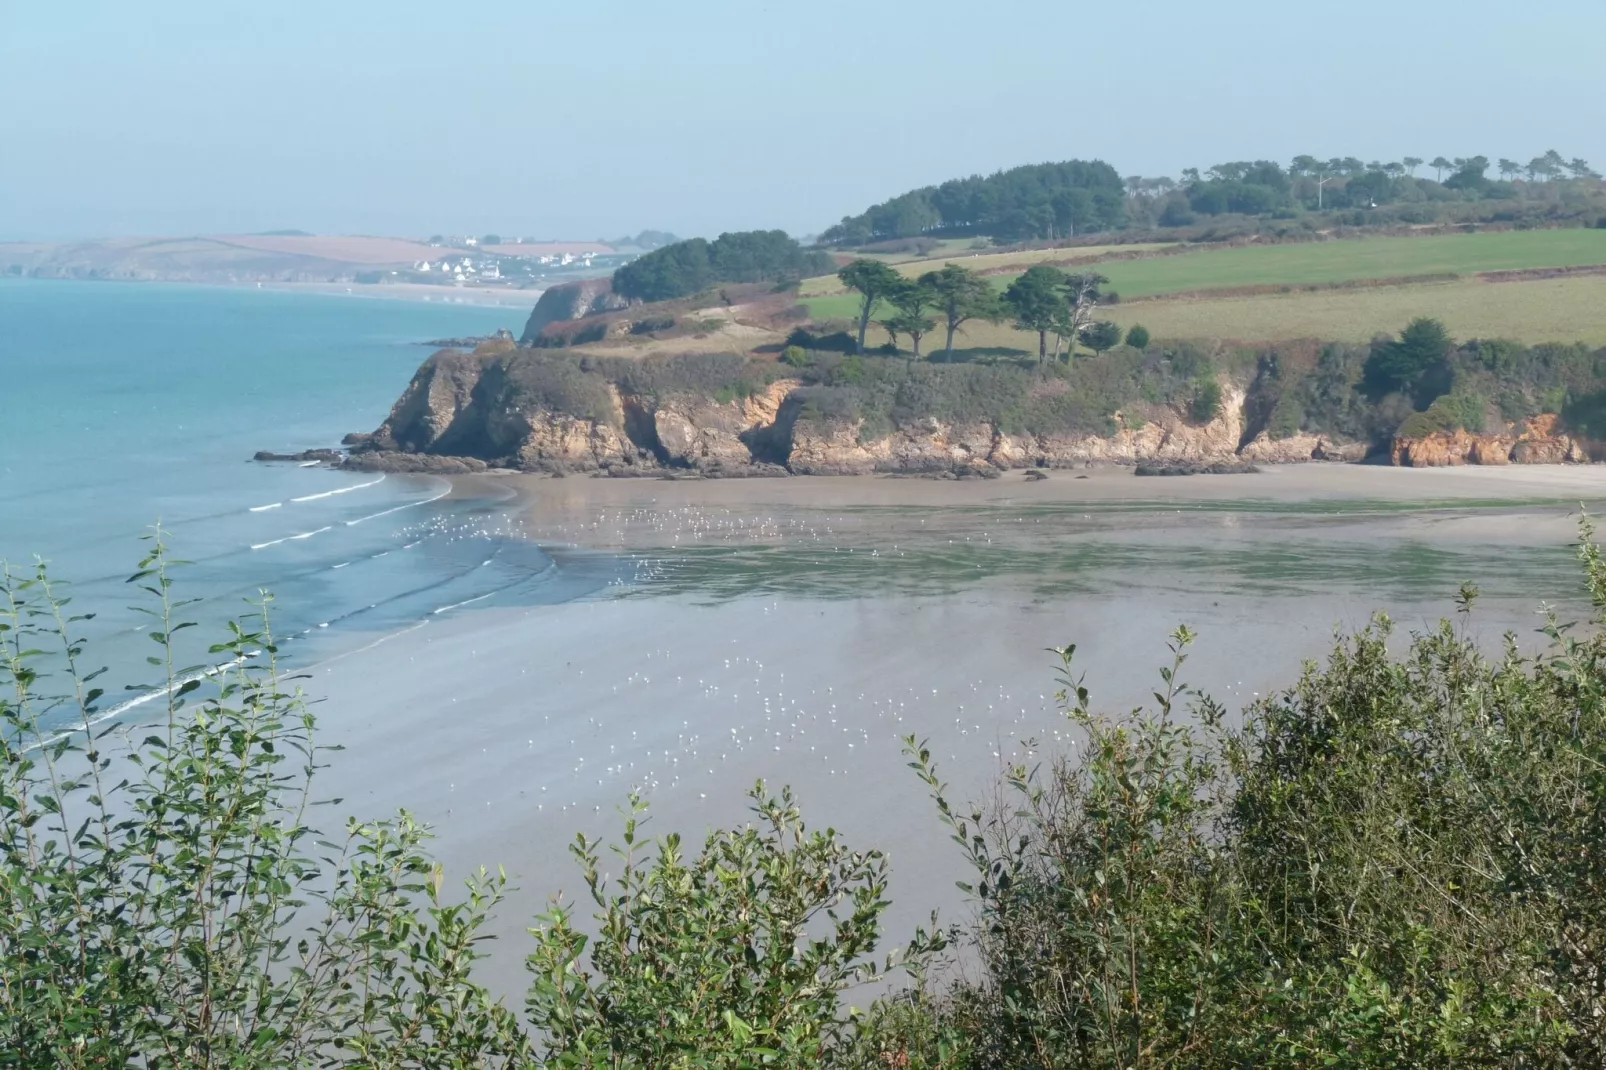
(590, 120)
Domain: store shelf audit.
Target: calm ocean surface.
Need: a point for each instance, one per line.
(127, 404)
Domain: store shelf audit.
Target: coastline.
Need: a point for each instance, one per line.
(759, 610)
(459, 296)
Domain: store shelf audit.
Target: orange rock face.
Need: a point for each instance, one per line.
(1540, 440)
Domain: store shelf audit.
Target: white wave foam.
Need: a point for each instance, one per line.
(265, 508)
(342, 564)
(457, 605)
(339, 490)
(290, 538)
(149, 696)
(399, 508)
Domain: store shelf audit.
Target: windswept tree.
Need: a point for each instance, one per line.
(1580, 168)
(1440, 165)
(913, 301)
(1509, 169)
(961, 295)
(1081, 298)
(873, 281)
(1412, 163)
(1037, 300)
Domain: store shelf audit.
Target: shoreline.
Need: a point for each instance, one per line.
(795, 630)
(472, 296)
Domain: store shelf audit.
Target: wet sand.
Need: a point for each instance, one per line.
(795, 630)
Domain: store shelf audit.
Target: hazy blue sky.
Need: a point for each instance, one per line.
(588, 119)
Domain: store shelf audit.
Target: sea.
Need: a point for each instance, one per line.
(131, 406)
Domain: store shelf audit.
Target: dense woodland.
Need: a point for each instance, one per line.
(687, 267)
(1035, 201)
(1045, 202)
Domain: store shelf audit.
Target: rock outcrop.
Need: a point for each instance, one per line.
(571, 301)
(1295, 449)
(931, 446)
(471, 406)
(500, 407)
(1539, 440)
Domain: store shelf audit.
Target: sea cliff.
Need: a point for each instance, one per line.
(532, 411)
(829, 414)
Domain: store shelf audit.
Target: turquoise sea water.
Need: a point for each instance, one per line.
(127, 404)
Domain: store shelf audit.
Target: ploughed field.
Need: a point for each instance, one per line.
(1362, 287)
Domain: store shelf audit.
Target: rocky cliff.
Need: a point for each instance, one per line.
(928, 445)
(1540, 440)
(572, 301)
(477, 407)
(483, 409)
(730, 416)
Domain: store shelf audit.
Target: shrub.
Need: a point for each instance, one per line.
(1206, 403)
(1137, 336)
(1393, 863)
(796, 356)
(1287, 417)
(1101, 335)
(591, 332)
(713, 960)
(1452, 412)
(649, 324)
(164, 902)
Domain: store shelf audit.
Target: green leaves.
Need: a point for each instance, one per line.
(734, 957)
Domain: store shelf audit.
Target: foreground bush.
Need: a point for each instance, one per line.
(165, 902)
(1398, 862)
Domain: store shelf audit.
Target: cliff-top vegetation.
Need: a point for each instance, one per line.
(1366, 396)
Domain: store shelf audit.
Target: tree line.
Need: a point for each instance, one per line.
(1044, 300)
(1037, 200)
(688, 267)
(1059, 200)
(1259, 187)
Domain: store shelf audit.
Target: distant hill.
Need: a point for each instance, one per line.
(275, 257)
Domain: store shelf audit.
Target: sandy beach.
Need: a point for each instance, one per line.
(795, 630)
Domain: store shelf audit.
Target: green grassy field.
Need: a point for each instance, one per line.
(1314, 263)
(990, 261)
(1530, 310)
